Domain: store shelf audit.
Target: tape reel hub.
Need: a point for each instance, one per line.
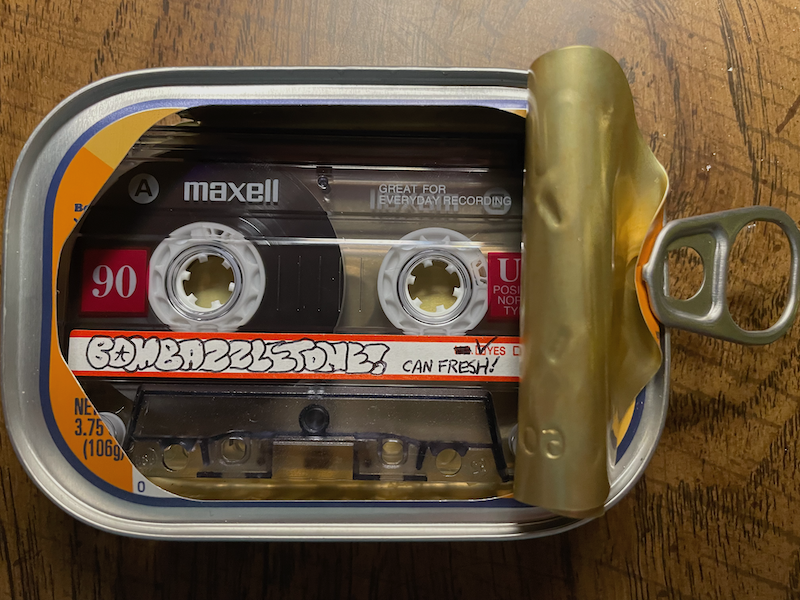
(206, 277)
(434, 282)
(434, 287)
(204, 282)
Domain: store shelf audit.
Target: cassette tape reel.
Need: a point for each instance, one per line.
(206, 276)
(237, 293)
(437, 285)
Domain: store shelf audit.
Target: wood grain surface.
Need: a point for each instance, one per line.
(717, 91)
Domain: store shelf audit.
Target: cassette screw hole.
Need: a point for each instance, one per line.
(434, 286)
(448, 462)
(146, 459)
(234, 449)
(210, 280)
(314, 419)
(392, 452)
(175, 457)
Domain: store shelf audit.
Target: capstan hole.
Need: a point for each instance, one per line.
(448, 461)
(175, 457)
(234, 449)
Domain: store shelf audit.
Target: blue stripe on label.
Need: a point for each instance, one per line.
(636, 418)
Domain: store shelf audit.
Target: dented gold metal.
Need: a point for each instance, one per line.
(593, 188)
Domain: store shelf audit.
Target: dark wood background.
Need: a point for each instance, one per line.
(717, 91)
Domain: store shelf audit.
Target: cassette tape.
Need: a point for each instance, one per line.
(305, 303)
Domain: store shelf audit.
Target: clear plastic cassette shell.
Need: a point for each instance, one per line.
(346, 435)
(236, 243)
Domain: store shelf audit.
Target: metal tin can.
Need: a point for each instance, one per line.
(35, 404)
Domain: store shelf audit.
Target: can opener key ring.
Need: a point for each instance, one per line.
(712, 237)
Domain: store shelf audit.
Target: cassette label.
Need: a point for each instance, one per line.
(254, 356)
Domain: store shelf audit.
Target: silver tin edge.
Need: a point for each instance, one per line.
(22, 317)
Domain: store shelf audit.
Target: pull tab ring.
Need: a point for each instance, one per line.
(712, 236)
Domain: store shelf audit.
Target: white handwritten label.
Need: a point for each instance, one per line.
(127, 353)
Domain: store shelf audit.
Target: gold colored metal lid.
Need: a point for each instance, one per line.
(593, 188)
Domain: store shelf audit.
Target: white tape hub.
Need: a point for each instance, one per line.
(434, 282)
(206, 277)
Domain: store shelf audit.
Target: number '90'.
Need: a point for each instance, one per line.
(123, 281)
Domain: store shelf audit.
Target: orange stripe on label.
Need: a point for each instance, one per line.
(641, 288)
(83, 178)
(326, 376)
(325, 337)
(111, 144)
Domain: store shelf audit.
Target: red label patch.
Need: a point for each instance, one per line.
(114, 281)
(505, 274)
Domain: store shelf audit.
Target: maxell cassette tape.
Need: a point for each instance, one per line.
(285, 303)
(321, 279)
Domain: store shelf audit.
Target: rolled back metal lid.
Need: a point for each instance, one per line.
(595, 277)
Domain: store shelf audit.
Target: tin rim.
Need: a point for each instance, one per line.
(46, 464)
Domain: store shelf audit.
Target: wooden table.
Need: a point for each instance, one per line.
(717, 90)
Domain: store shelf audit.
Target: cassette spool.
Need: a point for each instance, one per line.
(434, 282)
(205, 276)
(252, 309)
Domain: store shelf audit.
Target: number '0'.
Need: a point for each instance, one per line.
(103, 275)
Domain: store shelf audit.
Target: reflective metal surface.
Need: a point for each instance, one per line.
(593, 188)
(712, 237)
(168, 517)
